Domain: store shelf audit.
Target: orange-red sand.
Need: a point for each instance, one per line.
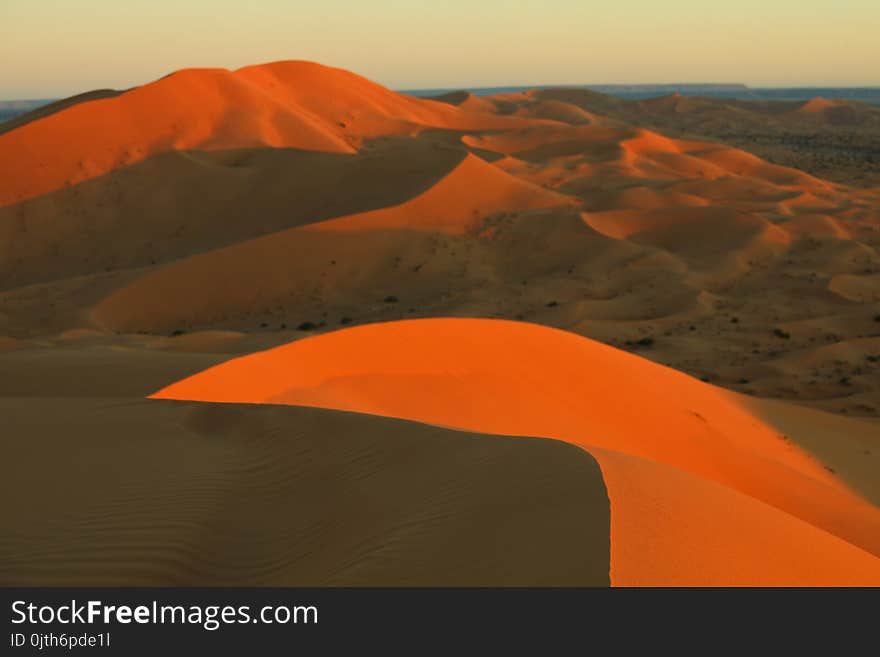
(148, 234)
(290, 104)
(701, 490)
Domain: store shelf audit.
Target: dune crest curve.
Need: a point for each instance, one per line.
(684, 464)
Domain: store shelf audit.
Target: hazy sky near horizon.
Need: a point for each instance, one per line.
(53, 48)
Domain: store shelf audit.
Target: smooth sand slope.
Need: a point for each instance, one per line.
(284, 105)
(701, 490)
(122, 490)
(141, 492)
(346, 258)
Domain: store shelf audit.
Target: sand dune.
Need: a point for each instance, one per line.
(834, 139)
(683, 440)
(285, 105)
(150, 234)
(46, 110)
(343, 259)
(178, 203)
(817, 105)
(156, 246)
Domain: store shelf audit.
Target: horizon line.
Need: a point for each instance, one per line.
(512, 86)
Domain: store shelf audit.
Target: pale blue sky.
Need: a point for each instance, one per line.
(51, 48)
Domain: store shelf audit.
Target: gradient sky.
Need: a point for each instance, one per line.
(53, 48)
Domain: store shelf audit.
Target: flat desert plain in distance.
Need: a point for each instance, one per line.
(284, 326)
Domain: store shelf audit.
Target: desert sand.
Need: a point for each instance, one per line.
(282, 325)
(709, 493)
(833, 139)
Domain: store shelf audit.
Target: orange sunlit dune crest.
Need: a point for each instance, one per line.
(456, 205)
(701, 490)
(283, 105)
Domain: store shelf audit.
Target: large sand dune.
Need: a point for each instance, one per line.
(284, 105)
(149, 234)
(695, 480)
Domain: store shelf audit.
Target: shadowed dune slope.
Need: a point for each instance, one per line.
(183, 202)
(685, 465)
(149, 493)
(342, 257)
